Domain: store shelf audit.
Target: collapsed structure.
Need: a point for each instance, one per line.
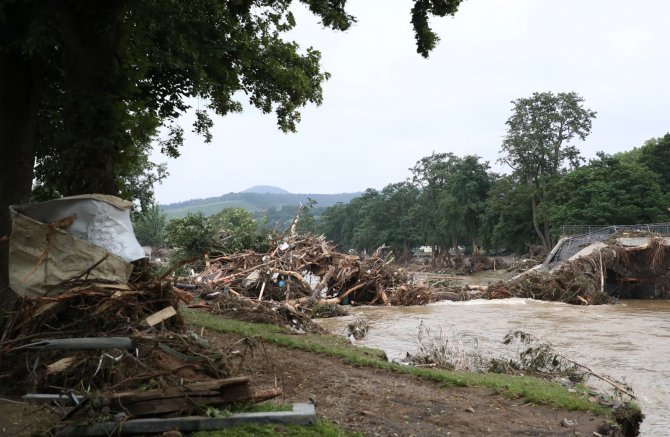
(598, 267)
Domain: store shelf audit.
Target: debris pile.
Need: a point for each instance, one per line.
(469, 265)
(599, 273)
(113, 350)
(304, 270)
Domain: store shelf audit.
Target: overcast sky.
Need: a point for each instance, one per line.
(386, 107)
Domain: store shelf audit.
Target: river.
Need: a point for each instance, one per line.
(627, 341)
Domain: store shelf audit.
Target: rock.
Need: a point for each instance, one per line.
(470, 410)
(568, 422)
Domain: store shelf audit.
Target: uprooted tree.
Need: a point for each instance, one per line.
(86, 84)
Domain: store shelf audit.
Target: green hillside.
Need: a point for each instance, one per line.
(254, 202)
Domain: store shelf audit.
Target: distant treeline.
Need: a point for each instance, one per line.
(259, 203)
(451, 200)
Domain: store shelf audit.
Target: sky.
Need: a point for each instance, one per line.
(385, 107)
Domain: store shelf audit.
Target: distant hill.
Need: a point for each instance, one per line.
(252, 201)
(265, 189)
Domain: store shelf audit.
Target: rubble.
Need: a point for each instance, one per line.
(118, 349)
(625, 265)
(304, 270)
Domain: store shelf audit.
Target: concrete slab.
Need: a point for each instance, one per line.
(302, 414)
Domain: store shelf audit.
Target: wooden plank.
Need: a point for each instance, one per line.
(214, 387)
(234, 394)
(161, 315)
(60, 365)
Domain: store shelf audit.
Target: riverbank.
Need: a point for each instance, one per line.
(358, 390)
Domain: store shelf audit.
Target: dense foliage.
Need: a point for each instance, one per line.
(455, 201)
(149, 226)
(85, 85)
(230, 231)
(538, 147)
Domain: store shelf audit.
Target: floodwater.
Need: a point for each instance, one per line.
(630, 340)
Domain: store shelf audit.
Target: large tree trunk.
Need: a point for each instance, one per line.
(19, 93)
(405, 250)
(536, 225)
(92, 113)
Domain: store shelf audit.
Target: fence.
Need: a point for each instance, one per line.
(572, 230)
(576, 237)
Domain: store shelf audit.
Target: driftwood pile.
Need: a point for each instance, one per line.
(116, 350)
(573, 283)
(305, 270)
(610, 271)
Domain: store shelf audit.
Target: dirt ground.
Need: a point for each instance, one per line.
(374, 402)
(382, 403)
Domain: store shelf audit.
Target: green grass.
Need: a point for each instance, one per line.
(320, 428)
(246, 408)
(528, 389)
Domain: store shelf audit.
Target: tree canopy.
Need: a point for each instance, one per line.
(538, 145)
(86, 84)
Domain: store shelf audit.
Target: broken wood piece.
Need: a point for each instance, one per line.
(296, 275)
(351, 290)
(60, 365)
(161, 315)
(110, 286)
(324, 281)
(475, 287)
(44, 308)
(582, 300)
(186, 403)
(197, 388)
(329, 301)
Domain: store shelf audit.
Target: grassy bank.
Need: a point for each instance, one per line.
(529, 389)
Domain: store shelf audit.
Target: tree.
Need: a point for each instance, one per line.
(237, 231)
(608, 191)
(655, 155)
(86, 84)
(332, 223)
(307, 222)
(538, 146)
(508, 216)
(430, 175)
(193, 235)
(149, 226)
(463, 201)
(401, 235)
(450, 206)
(385, 219)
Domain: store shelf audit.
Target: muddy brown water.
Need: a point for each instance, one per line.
(630, 340)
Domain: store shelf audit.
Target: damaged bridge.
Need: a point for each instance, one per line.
(627, 262)
(641, 268)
